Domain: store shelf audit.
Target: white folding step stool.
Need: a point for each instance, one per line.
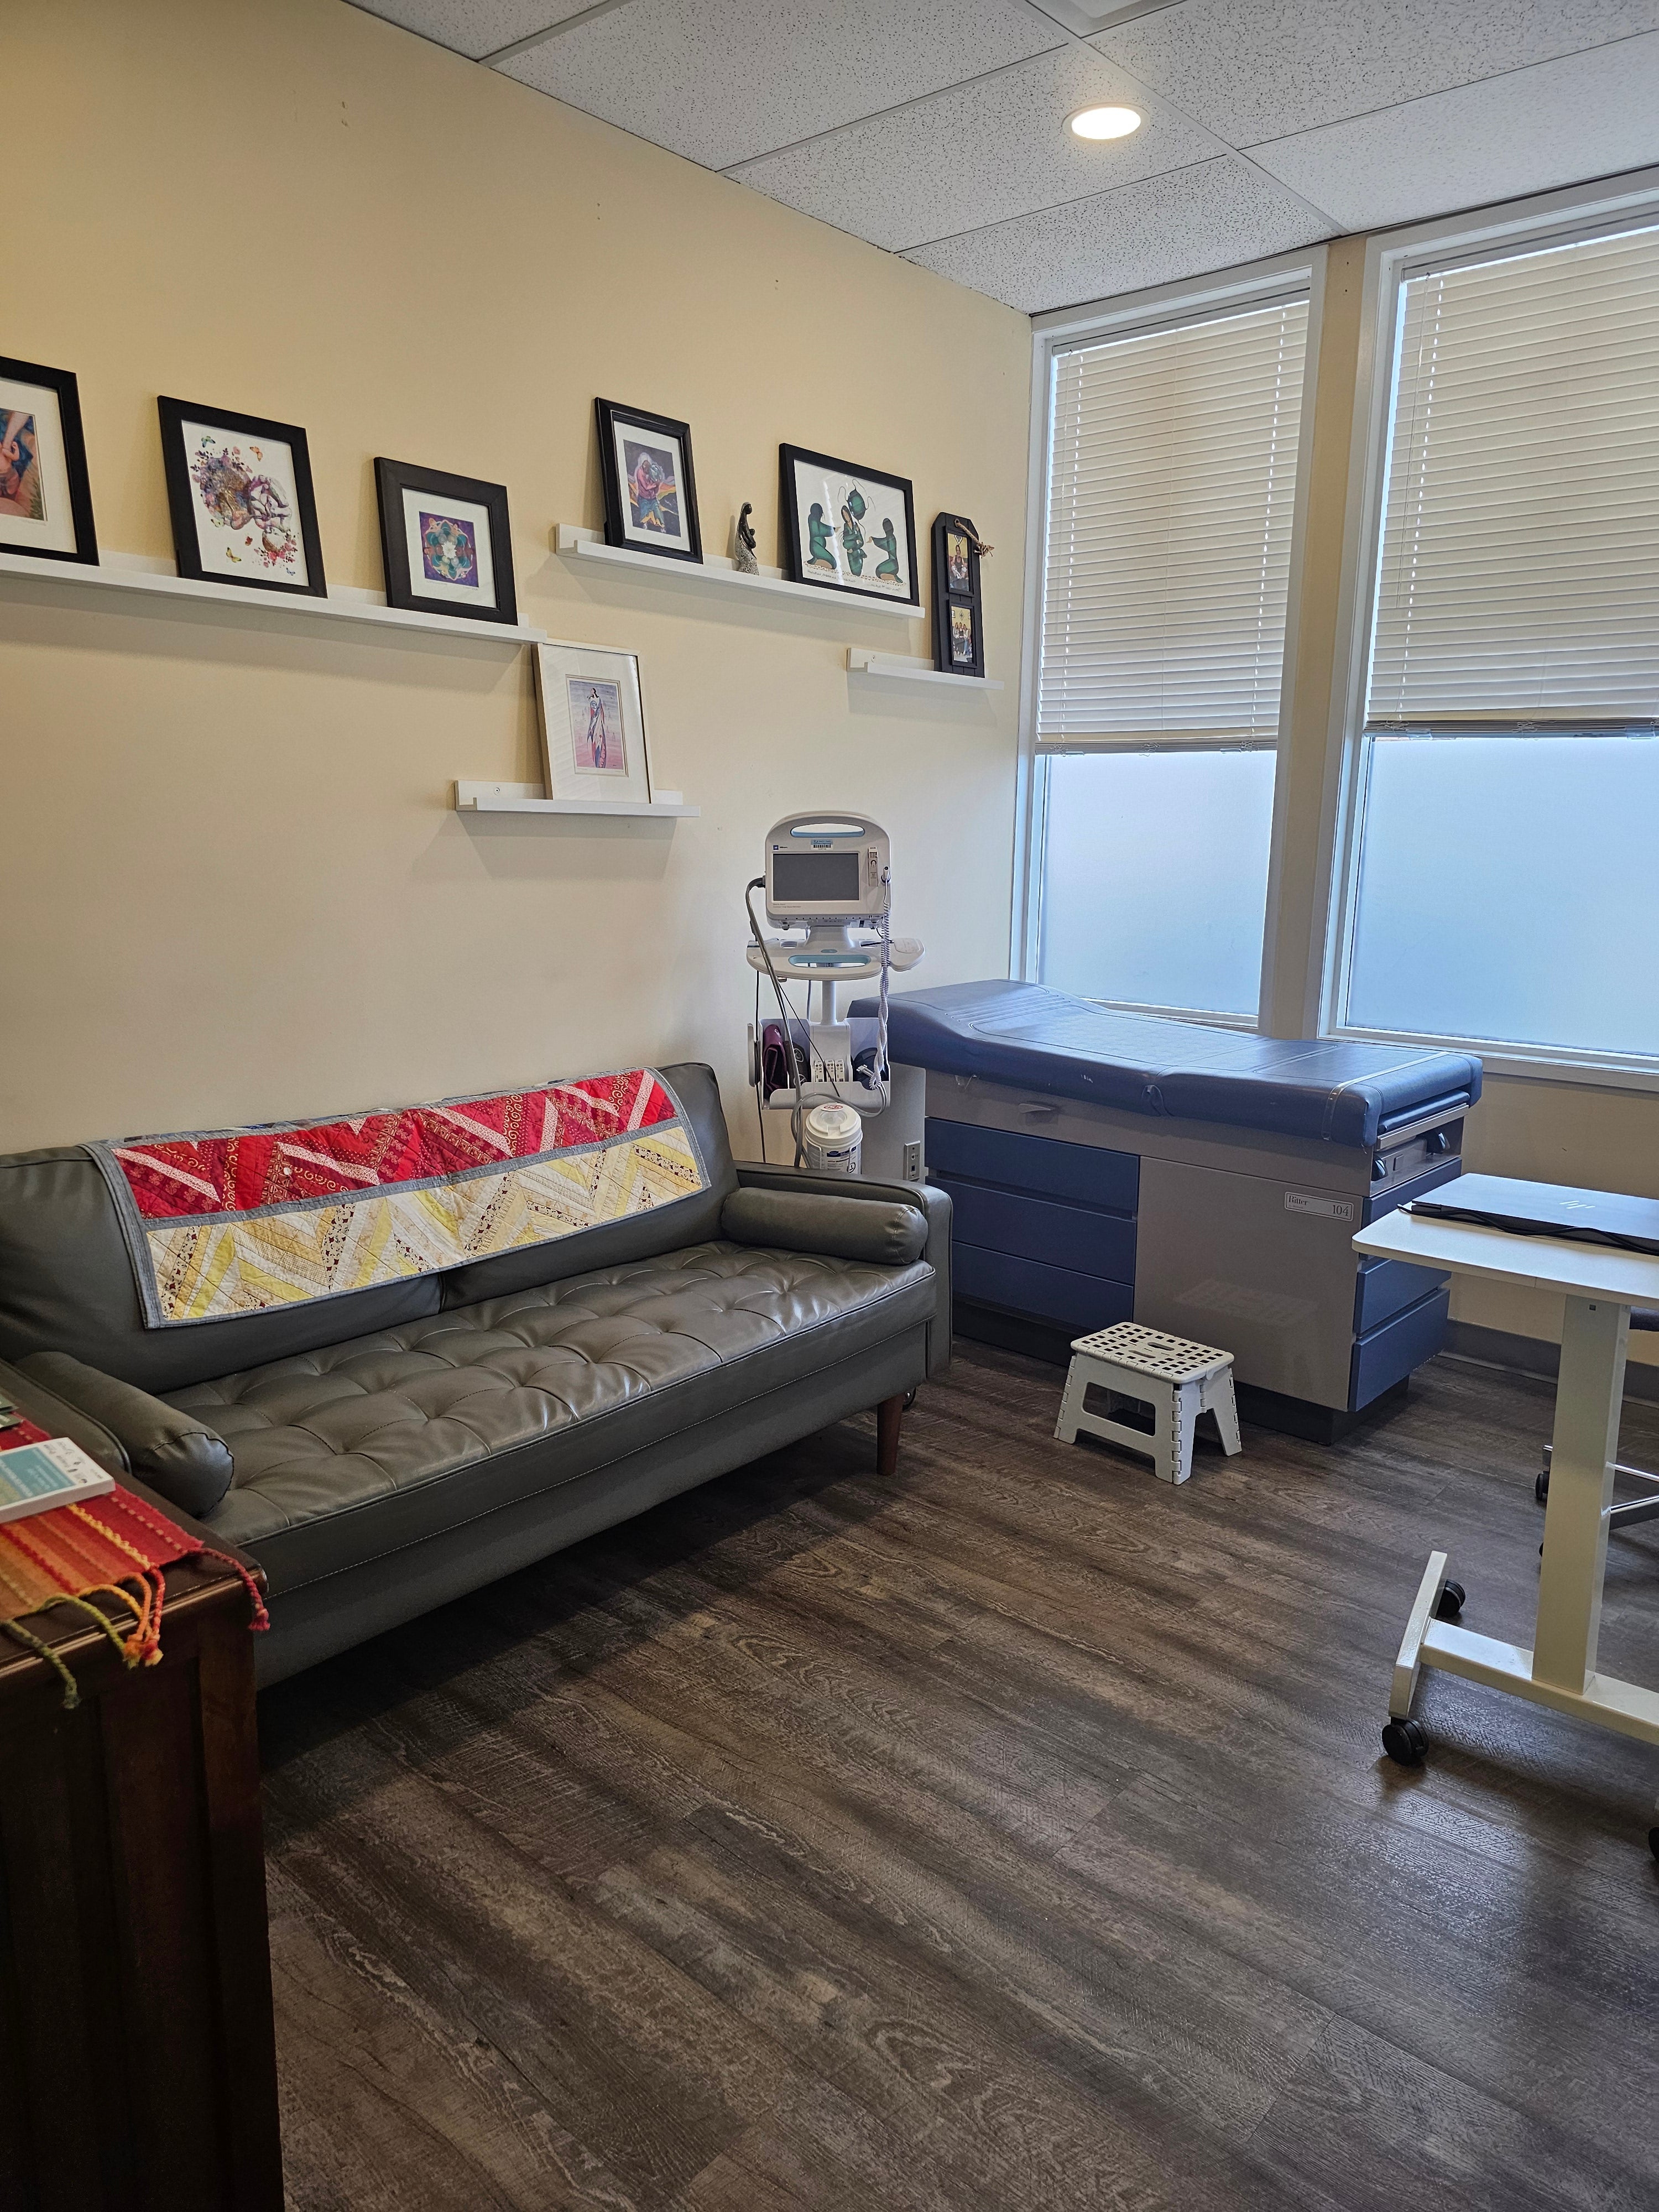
(1178, 1379)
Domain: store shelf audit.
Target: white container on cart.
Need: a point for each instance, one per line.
(832, 1138)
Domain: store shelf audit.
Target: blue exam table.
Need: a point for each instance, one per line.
(1110, 1166)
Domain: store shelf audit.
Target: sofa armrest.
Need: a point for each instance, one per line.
(932, 1204)
(187, 1461)
(58, 1418)
(889, 1236)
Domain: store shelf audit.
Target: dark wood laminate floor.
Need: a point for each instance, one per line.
(1014, 1834)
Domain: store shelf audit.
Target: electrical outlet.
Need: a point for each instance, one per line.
(913, 1162)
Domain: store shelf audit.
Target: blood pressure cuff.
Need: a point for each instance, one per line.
(885, 1232)
(187, 1461)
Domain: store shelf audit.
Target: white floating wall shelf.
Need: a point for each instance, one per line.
(530, 798)
(910, 670)
(719, 575)
(138, 572)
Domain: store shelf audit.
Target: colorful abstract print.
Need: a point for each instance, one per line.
(653, 492)
(449, 550)
(22, 493)
(238, 495)
(240, 1220)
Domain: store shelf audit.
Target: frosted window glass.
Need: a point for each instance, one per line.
(1509, 891)
(1155, 877)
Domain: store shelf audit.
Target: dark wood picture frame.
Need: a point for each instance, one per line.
(959, 595)
(62, 384)
(796, 566)
(392, 480)
(182, 503)
(611, 415)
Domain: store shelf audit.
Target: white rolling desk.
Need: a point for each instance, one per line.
(1600, 1284)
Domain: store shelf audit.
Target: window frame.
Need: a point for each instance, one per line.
(1392, 258)
(1298, 275)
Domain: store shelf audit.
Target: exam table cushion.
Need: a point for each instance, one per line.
(1341, 1090)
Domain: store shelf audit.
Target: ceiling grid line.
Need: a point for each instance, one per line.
(936, 128)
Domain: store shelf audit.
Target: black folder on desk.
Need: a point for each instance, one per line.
(1545, 1209)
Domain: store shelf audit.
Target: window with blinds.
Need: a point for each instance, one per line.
(1171, 490)
(1519, 567)
(1508, 774)
(1172, 458)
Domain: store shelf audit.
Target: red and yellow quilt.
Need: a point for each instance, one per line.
(232, 1221)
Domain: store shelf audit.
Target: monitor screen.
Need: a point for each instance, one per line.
(800, 878)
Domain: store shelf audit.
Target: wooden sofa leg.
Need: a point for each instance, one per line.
(889, 1414)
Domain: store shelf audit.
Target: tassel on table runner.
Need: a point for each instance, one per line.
(114, 1549)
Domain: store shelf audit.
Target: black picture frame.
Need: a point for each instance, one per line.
(183, 505)
(61, 383)
(622, 528)
(797, 565)
(956, 594)
(392, 480)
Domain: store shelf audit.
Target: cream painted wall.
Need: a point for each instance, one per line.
(1573, 1132)
(234, 887)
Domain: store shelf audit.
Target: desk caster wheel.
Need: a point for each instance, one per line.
(1449, 1606)
(1541, 1489)
(1405, 1743)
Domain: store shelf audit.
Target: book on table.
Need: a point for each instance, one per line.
(38, 1472)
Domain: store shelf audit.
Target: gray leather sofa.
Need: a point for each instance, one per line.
(383, 1451)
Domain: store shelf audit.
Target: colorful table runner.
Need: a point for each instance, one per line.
(114, 1549)
(233, 1221)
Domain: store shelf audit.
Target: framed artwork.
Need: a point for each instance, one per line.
(650, 485)
(444, 543)
(46, 499)
(959, 620)
(239, 492)
(850, 529)
(593, 722)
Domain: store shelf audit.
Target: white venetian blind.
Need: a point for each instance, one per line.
(1172, 481)
(1519, 576)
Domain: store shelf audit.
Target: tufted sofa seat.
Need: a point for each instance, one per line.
(383, 1451)
(348, 1453)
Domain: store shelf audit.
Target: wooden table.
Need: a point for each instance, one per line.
(137, 2058)
(1600, 1284)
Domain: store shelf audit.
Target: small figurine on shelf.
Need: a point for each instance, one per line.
(743, 552)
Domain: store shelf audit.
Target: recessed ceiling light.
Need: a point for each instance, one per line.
(1104, 122)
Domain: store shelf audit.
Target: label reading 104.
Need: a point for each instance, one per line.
(1304, 1201)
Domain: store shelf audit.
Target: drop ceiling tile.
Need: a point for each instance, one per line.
(1590, 115)
(1213, 216)
(724, 81)
(473, 27)
(1255, 69)
(980, 152)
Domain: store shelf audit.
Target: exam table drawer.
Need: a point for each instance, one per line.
(1041, 1293)
(1387, 1287)
(1390, 1352)
(1085, 1175)
(1073, 1237)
